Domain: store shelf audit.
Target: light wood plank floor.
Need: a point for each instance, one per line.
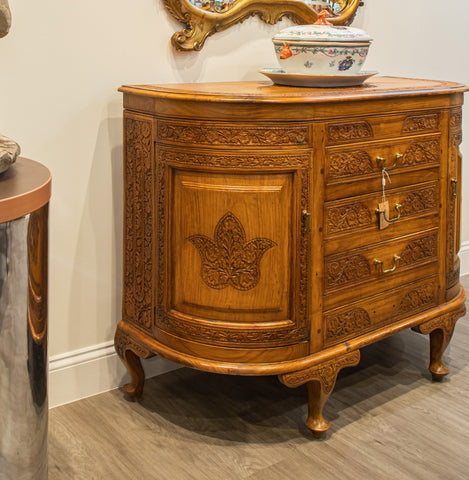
(389, 421)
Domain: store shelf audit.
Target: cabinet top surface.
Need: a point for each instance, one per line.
(264, 91)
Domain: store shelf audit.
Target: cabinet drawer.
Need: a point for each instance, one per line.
(358, 169)
(354, 222)
(372, 312)
(231, 135)
(378, 127)
(355, 273)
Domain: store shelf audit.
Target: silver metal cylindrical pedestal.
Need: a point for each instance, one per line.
(23, 359)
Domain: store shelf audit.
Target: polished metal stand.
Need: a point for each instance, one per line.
(23, 363)
(25, 190)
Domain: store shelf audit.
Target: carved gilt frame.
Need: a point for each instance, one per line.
(199, 23)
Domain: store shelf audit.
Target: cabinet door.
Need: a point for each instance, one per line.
(234, 242)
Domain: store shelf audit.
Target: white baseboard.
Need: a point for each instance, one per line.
(464, 255)
(89, 371)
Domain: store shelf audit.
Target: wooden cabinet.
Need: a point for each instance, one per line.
(275, 231)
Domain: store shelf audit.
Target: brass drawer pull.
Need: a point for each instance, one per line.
(307, 221)
(382, 162)
(389, 270)
(384, 213)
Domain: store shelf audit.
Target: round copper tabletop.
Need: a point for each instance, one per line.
(24, 188)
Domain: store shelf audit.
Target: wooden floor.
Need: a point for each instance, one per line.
(389, 421)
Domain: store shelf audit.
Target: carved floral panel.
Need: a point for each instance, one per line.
(228, 259)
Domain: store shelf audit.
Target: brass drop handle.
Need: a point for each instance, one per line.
(382, 162)
(454, 187)
(389, 270)
(307, 221)
(397, 207)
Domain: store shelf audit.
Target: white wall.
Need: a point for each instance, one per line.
(61, 66)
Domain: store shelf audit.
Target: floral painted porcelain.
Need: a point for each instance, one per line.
(321, 49)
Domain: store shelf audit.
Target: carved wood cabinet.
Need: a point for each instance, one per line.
(275, 230)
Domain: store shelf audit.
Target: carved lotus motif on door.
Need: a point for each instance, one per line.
(228, 260)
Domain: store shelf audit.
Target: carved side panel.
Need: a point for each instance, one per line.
(138, 222)
(211, 134)
(421, 123)
(453, 201)
(304, 255)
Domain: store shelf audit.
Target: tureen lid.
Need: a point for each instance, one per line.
(322, 33)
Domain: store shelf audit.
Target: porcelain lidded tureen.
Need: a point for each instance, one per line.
(321, 48)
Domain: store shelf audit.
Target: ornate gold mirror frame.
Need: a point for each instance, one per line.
(203, 18)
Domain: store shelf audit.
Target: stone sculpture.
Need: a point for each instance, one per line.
(9, 149)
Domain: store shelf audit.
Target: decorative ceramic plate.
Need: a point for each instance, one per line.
(278, 76)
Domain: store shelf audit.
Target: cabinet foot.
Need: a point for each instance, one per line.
(320, 381)
(130, 352)
(440, 331)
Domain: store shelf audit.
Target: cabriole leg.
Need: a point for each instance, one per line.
(317, 398)
(320, 381)
(440, 331)
(130, 352)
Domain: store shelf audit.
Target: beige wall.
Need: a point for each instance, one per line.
(61, 66)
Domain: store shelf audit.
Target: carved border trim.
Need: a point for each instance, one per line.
(221, 134)
(169, 156)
